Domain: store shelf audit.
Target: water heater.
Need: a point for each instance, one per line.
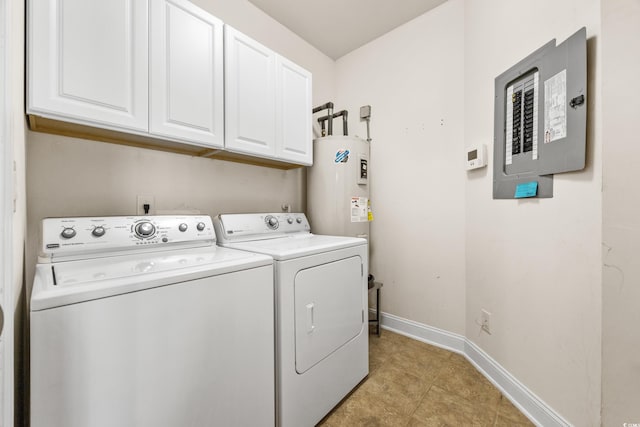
(338, 187)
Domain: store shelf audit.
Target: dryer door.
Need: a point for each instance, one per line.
(328, 309)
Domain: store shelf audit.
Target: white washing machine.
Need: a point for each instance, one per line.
(145, 322)
(321, 310)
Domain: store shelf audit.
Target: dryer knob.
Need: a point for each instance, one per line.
(290, 220)
(183, 227)
(200, 226)
(299, 220)
(98, 231)
(68, 233)
(272, 222)
(145, 229)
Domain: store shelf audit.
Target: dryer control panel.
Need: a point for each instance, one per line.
(91, 237)
(244, 227)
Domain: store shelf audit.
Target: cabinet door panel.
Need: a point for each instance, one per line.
(88, 61)
(186, 99)
(250, 95)
(294, 131)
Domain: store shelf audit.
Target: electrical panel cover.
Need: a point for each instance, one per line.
(540, 118)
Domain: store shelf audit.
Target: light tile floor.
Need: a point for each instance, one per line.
(411, 383)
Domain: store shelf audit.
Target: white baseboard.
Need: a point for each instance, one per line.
(526, 401)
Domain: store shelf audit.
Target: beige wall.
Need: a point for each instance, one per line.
(535, 264)
(74, 177)
(412, 78)
(621, 214)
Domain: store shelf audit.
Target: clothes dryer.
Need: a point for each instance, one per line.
(321, 309)
(145, 322)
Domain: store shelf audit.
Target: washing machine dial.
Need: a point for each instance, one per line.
(145, 229)
(299, 220)
(200, 226)
(272, 222)
(68, 233)
(183, 227)
(98, 231)
(290, 220)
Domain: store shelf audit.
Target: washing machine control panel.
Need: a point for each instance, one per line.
(241, 227)
(87, 236)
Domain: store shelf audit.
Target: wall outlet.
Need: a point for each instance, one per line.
(485, 321)
(145, 200)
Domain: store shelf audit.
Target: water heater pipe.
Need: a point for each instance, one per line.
(329, 107)
(365, 113)
(322, 121)
(343, 113)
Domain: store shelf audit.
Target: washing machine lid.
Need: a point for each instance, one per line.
(70, 282)
(298, 245)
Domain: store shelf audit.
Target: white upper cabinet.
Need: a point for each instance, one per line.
(167, 72)
(88, 61)
(267, 102)
(250, 95)
(186, 73)
(293, 127)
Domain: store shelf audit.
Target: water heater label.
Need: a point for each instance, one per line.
(359, 209)
(342, 156)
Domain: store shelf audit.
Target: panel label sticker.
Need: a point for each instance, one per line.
(526, 189)
(359, 209)
(555, 107)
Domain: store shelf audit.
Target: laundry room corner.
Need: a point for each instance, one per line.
(532, 265)
(417, 187)
(185, 225)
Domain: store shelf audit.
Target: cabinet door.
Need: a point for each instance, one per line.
(250, 107)
(186, 81)
(88, 61)
(293, 128)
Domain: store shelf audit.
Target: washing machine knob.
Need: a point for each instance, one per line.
(68, 233)
(299, 220)
(200, 226)
(272, 222)
(145, 229)
(98, 231)
(290, 220)
(183, 227)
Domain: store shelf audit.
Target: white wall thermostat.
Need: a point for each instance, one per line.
(476, 156)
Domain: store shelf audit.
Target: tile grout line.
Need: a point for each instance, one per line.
(424, 396)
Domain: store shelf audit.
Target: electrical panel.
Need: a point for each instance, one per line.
(540, 119)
